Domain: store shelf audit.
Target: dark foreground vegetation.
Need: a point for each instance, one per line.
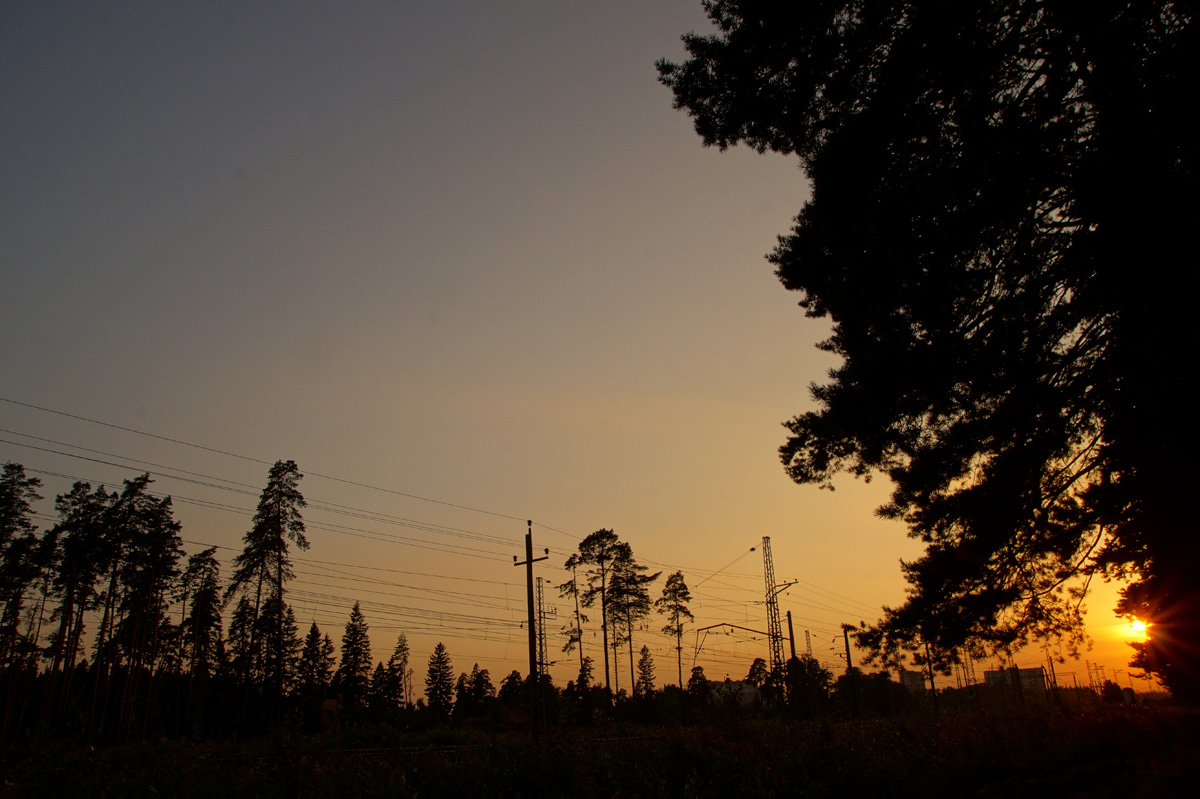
(1098, 751)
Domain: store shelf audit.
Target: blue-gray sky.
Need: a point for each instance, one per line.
(460, 250)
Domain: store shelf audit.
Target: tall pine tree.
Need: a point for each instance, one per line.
(674, 605)
(263, 566)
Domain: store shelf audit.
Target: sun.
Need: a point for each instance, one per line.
(1135, 630)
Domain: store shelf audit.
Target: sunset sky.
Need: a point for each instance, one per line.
(461, 261)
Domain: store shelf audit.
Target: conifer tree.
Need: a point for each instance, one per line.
(439, 682)
(280, 661)
(644, 686)
(202, 604)
(597, 551)
(473, 693)
(17, 495)
(512, 689)
(315, 669)
(19, 566)
(1001, 233)
(377, 691)
(18, 570)
(398, 675)
(674, 605)
(263, 566)
(79, 566)
(242, 645)
(199, 643)
(629, 599)
(584, 680)
(147, 578)
(354, 673)
(758, 674)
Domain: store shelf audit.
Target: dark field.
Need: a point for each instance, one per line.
(1102, 752)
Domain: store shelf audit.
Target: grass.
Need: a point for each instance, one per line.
(1106, 751)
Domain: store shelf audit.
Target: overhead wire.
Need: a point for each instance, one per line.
(256, 460)
(329, 507)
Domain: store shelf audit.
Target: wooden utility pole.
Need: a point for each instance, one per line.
(578, 618)
(534, 678)
(846, 628)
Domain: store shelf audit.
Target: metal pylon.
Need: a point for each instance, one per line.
(774, 626)
(543, 659)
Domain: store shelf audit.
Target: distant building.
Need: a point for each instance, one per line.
(738, 691)
(913, 680)
(1031, 682)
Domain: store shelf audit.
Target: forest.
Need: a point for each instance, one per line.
(188, 682)
(109, 633)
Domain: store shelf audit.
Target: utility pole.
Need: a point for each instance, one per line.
(534, 679)
(578, 618)
(846, 628)
(791, 635)
(1053, 677)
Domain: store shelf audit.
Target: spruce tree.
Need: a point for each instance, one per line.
(354, 673)
(280, 661)
(644, 687)
(439, 682)
(377, 693)
(398, 674)
(315, 669)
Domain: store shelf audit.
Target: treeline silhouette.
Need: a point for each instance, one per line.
(179, 650)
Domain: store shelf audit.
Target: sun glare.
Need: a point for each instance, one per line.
(1135, 630)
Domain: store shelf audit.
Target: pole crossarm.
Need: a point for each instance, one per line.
(780, 589)
(734, 626)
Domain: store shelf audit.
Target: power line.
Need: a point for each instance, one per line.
(250, 490)
(334, 507)
(259, 460)
(371, 535)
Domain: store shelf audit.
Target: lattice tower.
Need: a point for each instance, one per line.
(543, 659)
(774, 626)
